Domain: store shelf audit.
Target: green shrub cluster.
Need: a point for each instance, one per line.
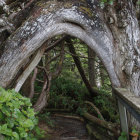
(107, 105)
(66, 93)
(17, 118)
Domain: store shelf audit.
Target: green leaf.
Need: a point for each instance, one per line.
(23, 134)
(111, 2)
(6, 131)
(138, 2)
(15, 104)
(16, 115)
(0, 106)
(10, 122)
(6, 111)
(15, 135)
(1, 116)
(28, 123)
(27, 102)
(4, 127)
(30, 112)
(123, 136)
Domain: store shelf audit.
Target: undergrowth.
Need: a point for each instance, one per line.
(68, 93)
(17, 118)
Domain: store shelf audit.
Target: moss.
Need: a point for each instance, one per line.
(68, 5)
(86, 10)
(47, 5)
(40, 4)
(51, 6)
(44, 4)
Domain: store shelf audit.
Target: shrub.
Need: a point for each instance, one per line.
(107, 105)
(66, 93)
(17, 118)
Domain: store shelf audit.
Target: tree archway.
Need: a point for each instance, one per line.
(36, 30)
(113, 34)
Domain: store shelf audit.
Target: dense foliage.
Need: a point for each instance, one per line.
(107, 105)
(68, 93)
(17, 118)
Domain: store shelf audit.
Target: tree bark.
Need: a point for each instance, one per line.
(124, 27)
(91, 67)
(111, 127)
(95, 108)
(44, 96)
(32, 83)
(33, 29)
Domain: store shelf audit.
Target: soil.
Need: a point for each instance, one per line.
(64, 129)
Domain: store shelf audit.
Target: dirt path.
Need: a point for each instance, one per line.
(65, 129)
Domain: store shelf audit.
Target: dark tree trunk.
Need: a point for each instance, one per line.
(91, 67)
(79, 67)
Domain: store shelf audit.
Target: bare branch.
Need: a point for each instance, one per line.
(80, 56)
(39, 80)
(29, 69)
(32, 83)
(42, 100)
(59, 67)
(107, 125)
(55, 44)
(44, 96)
(54, 58)
(95, 108)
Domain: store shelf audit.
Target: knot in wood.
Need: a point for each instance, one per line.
(111, 20)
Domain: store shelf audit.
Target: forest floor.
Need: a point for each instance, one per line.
(64, 129)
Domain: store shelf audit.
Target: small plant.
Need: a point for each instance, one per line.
(66, 93)
(123, 136)
(107, 106)
(17, 118)
(134, 134)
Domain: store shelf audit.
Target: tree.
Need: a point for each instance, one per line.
(91, 67)
(113, 34)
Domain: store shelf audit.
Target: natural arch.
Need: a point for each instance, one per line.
(43, 101)
(35, 31)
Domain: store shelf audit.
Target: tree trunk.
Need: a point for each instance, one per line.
(91, 67)
(111, 127)
(44, 96)
(124, 27)
(80, 69)
(102, 73)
